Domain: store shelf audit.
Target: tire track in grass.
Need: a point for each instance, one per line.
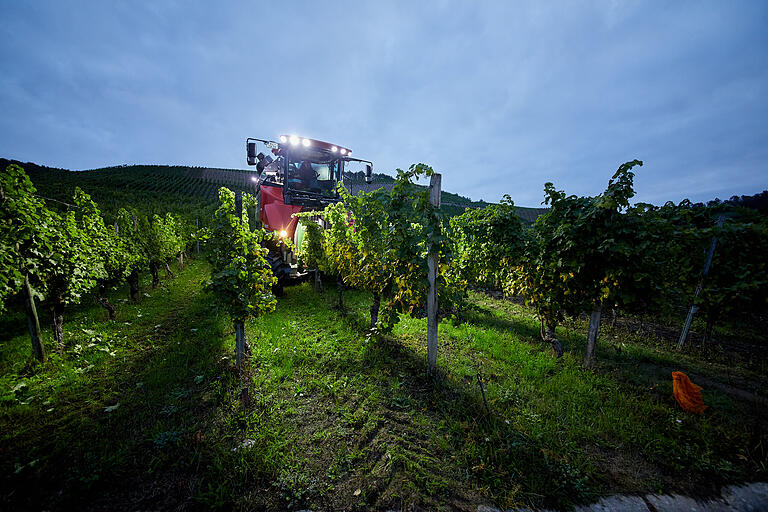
(373, 453)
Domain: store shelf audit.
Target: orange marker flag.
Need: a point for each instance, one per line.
(687, 394)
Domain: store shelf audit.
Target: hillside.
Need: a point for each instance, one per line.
(186, 188)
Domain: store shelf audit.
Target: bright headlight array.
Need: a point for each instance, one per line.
(298, 142)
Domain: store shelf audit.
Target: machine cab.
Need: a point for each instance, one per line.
(307, 170)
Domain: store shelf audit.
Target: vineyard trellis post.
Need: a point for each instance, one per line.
(594, 327)
(197, 236)
(433, 266)
(699, 287)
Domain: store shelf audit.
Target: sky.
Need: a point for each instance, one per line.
(500, 97)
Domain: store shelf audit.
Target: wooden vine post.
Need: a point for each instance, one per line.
(197, 236)
(594, 327)
(432, 265)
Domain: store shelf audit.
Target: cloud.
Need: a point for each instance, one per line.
(500, 97)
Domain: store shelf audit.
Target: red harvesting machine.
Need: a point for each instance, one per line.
(302, 175)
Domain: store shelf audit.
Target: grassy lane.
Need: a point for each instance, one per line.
(336, 418)
(120, 416)
(356, 423)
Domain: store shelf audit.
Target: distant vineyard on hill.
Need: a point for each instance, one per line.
(183, 188)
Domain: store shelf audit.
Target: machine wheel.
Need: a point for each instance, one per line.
(282, 272)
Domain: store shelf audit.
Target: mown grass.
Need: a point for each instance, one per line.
(338, 417)
(120, 403)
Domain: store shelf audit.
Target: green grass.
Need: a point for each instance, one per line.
(338, 418)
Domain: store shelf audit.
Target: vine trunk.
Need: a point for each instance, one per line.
(133, 285)
(375, 309)
(155, 274)
(104, 302)
(551, 338)
(32, 322)
(58, 322)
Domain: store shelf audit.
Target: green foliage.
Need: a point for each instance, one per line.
(378, 242)
(311, 253)
(25, 233)
(738, 276)
(76, 262)
(162, 239)
(187, 233)
(488, 243)
(64, 254)
(356, 243)
(119, 258)
(416, 228)
(113, 252)
(578, 254)
(131, 238)
(670, 247)
(592, 251)
(662, 263)
(241, 277)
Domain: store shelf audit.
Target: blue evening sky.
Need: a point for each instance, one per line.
(498, 96)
